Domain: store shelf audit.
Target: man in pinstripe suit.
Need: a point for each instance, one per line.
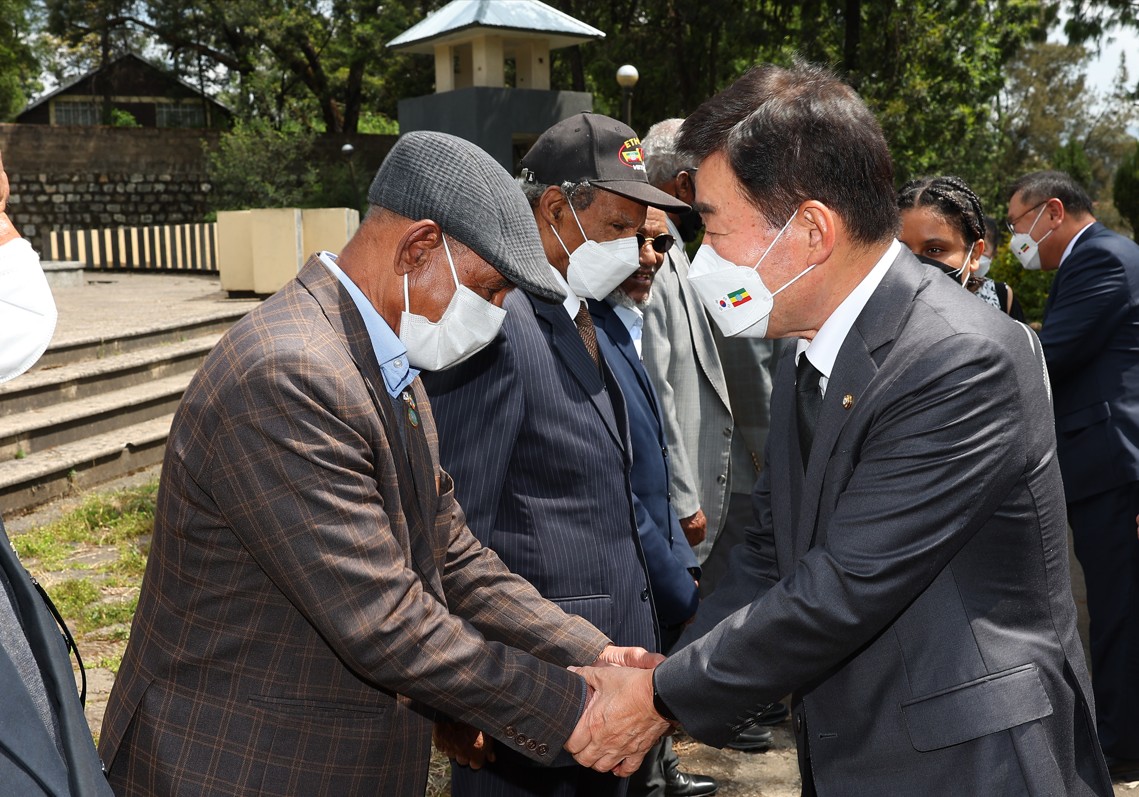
(534, 428)
(312, 593)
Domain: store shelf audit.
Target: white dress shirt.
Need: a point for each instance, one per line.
(823, 350)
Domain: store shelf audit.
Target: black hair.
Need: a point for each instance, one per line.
(796, 134)
(952, 198)
(1039, 187)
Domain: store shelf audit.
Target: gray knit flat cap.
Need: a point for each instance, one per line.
(429, 175)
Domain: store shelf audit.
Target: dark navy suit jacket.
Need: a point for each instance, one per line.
(667, 552)
(536, 440)
(1091, 342)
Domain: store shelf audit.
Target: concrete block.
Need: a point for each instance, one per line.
(235, 250)
(278, 251)
(327, 228)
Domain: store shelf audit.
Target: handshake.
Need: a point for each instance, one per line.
(616, 729)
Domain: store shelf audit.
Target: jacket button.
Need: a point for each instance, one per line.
(644, 594)
(510, 730)
(543, 749)
(798, 723)
(520, 740)
(721, 479)
(531, 745)
(727, 431)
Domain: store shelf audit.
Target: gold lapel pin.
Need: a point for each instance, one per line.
(847, 401)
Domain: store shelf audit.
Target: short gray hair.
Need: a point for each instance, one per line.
(580, 194)
(663, 159)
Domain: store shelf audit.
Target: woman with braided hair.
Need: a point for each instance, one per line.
(943, 223)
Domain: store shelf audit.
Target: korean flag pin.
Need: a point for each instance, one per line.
(847, 401)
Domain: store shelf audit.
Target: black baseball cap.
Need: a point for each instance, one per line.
(591, 148)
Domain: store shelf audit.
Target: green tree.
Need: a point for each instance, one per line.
(1125, 189)
(258, 166)
(19, 68)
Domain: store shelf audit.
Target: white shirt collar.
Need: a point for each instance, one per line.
(634, 320)
(572, 304)
(823, 350)
(1072, 243)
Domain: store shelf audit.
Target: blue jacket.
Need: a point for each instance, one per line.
(1091, 342)
(667, 552)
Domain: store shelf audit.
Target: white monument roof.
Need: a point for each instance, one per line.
(516, 19)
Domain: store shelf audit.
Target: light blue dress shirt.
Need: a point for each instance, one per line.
(391, 354)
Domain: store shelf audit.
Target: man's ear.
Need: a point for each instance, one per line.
(416, 245)
(821, 223)
(1056, 211)
(552, 206)
(685, 187)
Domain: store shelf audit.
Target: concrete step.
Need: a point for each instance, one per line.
(32, 431)
(59, 471)
(48, 387)
(69, 350)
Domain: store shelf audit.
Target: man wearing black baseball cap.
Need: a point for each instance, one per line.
(534, 428)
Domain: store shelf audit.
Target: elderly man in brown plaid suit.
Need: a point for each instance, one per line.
(313, 595)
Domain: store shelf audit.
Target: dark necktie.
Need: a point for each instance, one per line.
(808, 399)
(584, 324)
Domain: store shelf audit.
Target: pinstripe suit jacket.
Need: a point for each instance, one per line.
(311, 596)
(537, 443)
(682, 362)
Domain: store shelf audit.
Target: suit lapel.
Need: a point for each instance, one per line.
(858, 361)
(567, 346)
(416, 485)
(703, 344)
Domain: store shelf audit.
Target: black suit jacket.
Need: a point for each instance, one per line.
(30, 762)
(1091, 342)
(536, 439)
(912, 587)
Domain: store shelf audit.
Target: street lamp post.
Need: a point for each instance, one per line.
(627, 77)
(348, 151)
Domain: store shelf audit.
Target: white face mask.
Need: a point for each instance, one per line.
(961, 275)
(735, 295)
(983, 263)
(597, 267)
(468, 325)
(1027, 251)
(27, 310)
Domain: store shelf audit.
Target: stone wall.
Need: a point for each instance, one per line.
(71, 178)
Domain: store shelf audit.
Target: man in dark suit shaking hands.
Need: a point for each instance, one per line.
(1091, 343)
(906, 576)
(534, 428)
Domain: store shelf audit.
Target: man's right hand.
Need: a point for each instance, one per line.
(695, 527)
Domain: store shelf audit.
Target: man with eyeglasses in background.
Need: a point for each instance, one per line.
(1091, 344)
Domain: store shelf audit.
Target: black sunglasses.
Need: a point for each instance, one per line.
(661, 243)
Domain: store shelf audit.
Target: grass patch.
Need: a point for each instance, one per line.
(102, 519)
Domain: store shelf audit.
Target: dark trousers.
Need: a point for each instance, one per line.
(1103, 530)
(715, 567)
(514, 775)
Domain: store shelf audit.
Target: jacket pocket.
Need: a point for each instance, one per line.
(597, 609)
(978, 708)
(1083, 417)
(295, 707)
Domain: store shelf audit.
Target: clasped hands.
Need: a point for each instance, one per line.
(619, 723)
(616, 729)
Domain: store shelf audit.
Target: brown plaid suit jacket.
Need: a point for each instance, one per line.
(311, 596)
